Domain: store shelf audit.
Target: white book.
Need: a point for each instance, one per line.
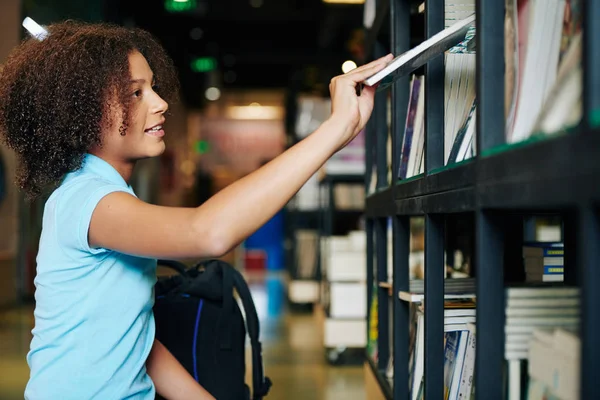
(421, 54)
(418, 297)
(458, 366)
(542, 312)
(468, 372)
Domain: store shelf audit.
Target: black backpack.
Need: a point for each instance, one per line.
(199, 321)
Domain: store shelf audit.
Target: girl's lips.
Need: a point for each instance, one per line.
(158, 133)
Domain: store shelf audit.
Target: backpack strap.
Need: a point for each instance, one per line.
(176, 265)
(260, 384)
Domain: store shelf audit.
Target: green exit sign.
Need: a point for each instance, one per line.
(179, 5)
(203, 64)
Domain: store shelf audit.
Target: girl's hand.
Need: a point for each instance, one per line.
(350, 110)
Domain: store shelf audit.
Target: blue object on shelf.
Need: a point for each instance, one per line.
(269, 238)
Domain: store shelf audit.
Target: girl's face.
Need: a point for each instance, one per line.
(145, 132)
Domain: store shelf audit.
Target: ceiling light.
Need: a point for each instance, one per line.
(348, 66)
(212, 94)
(344, 1)
(422, 8)
(255, 111)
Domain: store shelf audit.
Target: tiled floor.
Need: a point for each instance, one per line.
(293, 355)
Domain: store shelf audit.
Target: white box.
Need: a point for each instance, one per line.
(345, 332)
(348, 300)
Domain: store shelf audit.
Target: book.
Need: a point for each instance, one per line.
(409, 127)
(419, 55)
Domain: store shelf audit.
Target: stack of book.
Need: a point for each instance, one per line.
(534, 307)
(544, 262)
(529, 309)
(460, 288)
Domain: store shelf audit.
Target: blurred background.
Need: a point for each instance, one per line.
(254, 76)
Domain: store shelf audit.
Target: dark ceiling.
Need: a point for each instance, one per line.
(256, 43)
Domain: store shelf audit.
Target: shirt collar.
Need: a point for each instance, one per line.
(97, 166)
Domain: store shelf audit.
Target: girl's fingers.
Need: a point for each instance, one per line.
(360, 76)
(384, 59)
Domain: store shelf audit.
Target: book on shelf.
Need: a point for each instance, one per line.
(529, 308)
(459, 100)
(412, 59)
(543, 66)
(554, 364)
(412, 123)
(459, 353)
(544, 261)
(459, 112)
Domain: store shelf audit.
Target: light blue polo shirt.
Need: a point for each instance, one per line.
(94, 325)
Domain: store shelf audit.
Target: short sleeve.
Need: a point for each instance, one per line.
(74, 212)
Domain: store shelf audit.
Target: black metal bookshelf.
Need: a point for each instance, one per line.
(557, 173)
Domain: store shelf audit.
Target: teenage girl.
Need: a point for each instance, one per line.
(79, 108)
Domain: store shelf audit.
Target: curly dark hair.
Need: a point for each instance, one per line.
(56, 94)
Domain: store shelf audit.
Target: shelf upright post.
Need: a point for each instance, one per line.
(570, 236)
(381, 128)
(588, 254)
(489, 351)
(369, 163)
(489, 240)
(400, 32)
(400, 40)
(489, 59)
(434, 91)
(401, 318)
(383, 323)
(591, 60)
(434, 306)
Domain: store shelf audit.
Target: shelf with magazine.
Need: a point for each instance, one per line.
(495, 170)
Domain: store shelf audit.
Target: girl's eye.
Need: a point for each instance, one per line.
(155, 87)
(137, 93)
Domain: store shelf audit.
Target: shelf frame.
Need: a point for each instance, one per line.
(544, 174)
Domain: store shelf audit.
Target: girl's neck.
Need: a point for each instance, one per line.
(123, 167)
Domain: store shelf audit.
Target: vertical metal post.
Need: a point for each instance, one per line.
(588, 254)
(401, 240)
(489, 353)
(400, 32)
(383, 339)
(381, 130)
(434, 307)
(434, 91)
(491, 118)
(591, 61)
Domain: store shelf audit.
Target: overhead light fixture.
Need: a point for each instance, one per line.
(212, 93)
(255, 111)
(348, 66)
(422, 8)
(344, 1)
